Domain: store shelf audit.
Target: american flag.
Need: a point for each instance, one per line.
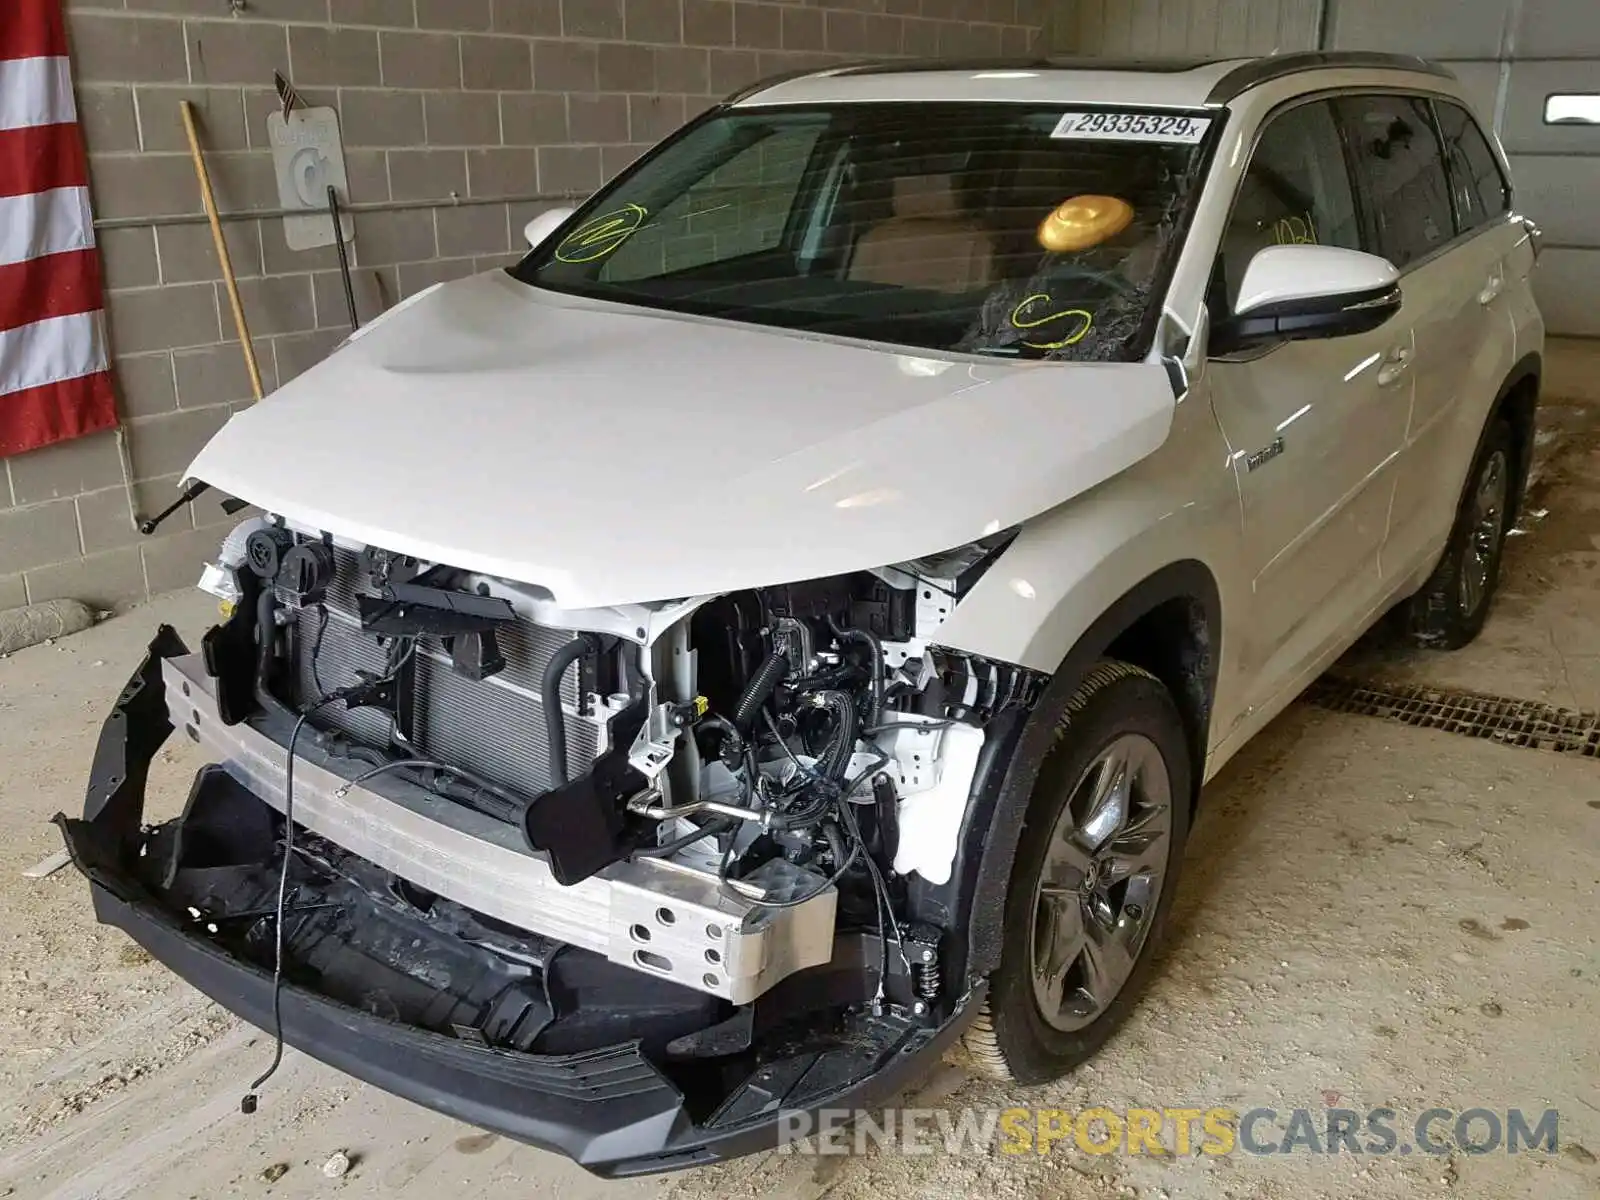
(54, 381)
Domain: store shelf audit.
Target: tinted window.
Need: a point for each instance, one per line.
(1401, 172)
(1296, 190)
(1479, 187)
(998, 229)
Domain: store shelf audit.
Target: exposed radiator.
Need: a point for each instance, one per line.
(494, 726)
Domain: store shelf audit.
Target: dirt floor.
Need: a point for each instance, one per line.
(1372, 915)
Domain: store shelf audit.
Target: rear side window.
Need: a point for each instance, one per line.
(1400, 170)
(1296, 191)
(1476, 180)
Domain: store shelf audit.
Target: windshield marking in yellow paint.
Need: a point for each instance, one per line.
(599, 236)
(1018, 322)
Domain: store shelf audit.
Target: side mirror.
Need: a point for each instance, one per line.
(1294, 293)
(542, 226)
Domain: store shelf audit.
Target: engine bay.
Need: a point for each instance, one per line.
(716, 824)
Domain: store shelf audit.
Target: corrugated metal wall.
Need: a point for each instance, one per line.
(1510, 54)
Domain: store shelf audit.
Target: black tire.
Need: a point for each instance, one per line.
(1450, 609)
(1011, 1038)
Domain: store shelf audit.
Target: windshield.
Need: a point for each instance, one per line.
(993, 229)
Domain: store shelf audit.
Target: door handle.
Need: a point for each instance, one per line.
(1394, 366)
(1492, 289)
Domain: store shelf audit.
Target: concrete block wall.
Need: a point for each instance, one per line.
(440, 101)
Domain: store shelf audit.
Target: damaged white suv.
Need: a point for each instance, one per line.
(778, 631)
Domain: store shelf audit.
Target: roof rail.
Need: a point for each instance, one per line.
(1277, 66)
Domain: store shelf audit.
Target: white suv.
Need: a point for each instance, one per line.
(779, 630)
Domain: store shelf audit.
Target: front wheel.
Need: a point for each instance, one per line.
(1095, 873)
(1450, 609)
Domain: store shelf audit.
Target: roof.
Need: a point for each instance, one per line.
(1150, 84)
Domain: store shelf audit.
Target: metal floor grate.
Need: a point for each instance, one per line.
(1472, 714)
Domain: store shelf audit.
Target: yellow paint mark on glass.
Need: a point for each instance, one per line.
(599, 236)
(1020, 319)
(1295, 231)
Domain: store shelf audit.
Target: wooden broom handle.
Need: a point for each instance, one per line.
(210, 201)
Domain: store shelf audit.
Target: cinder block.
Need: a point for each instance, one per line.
(884, 34)
(66, 468)
(394, 237)
(531, 18)
(114, 49)
(167, 444)
(13, 592)
(219, 118)
(333, 57)
(144, 384)
(508, 171)
(473, 229)
(110, 580)
(454, 14)
(614, 158)
(732, 70)
(242, 180)
(684, 70)
(707, 22)
(495, 64)
(160, 318)
(569, 170)
(380, 118)
(104, 520)
(375, 289)
(757, 26)
(212, 375)
(391, 14)
(105, 114)
(368, 175)
(845, 33)
(653, 21)
(143, 185)
(533, 118)
(497, 262)
(420, 60)
(175, 562)
(463, 118)
(278, 259)
(802, 29)
(651, 118)
(299, 352)
(273, 304)
(591, 18)
(236, 51)
(560, 66)
(38, 535)
(416, 276)
(188, 253)
(597, 120)
(427, 174)
(623, 68)
(128, 258)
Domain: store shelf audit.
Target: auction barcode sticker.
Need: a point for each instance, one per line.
(1132, 127)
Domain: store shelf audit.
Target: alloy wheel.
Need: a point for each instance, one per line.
(1101, 882)
(1485, 534)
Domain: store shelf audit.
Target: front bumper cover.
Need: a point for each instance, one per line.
(611, 1109)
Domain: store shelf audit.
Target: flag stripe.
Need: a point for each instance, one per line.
(54, 412)
(58, 285)
(31, 29)
(49, 351)
(36, 91)
(37, 158)
(44, 223)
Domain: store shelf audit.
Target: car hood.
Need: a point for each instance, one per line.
(615, 455)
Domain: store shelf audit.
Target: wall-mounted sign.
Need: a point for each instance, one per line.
(308, 158)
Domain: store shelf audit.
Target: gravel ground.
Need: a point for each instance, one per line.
(1372, 915)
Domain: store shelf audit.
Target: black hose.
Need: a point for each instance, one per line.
(836, 758)
(555, 721)
(709, 829)
(759, 690)
(875, 651)
(731, 748)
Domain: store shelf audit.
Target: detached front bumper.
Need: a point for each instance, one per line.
(610, 1109)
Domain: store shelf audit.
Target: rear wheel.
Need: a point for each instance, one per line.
(1451, 608)
(1095, 874)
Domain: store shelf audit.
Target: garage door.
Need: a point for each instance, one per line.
(1533, 65)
